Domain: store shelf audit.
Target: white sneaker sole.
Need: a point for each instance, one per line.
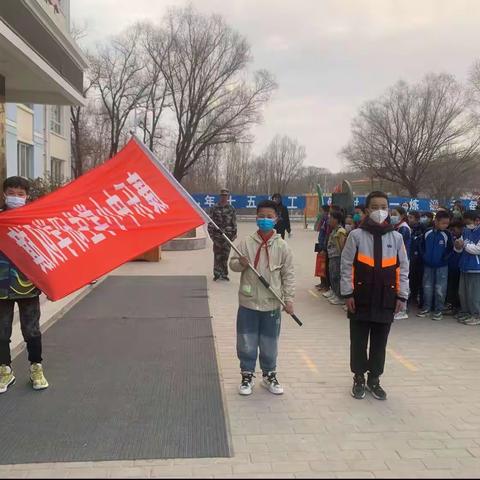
(39, 387)
(246, 393)
(11, 384)
(265, 385)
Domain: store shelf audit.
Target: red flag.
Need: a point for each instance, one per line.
(87, 228)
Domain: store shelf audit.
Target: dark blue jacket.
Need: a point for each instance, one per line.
(416, 240)
(470, 263)
(406, 232)
(436, 248)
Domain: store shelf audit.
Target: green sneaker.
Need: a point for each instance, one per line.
(39, 382)
(7, 379)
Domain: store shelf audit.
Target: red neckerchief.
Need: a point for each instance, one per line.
(265, 238)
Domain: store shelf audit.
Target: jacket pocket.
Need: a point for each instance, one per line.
(362, 294)
(389, 300)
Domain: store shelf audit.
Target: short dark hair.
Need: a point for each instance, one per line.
(337, 216)
(17, 182)
(375, 194)
(360, 207)
(415, 213)
(400, 210)
(267, 204)
(335, 208)
(428, 214)
(326, 208)
(471, 215)
(277, 195)
(442, 216)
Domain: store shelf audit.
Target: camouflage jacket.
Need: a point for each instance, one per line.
(226, 218)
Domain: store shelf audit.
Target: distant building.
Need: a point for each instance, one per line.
(41, 74)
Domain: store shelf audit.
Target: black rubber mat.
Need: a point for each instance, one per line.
(133, 375)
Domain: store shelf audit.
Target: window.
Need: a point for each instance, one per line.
(57, 170)
(56, 119)
(25, 160)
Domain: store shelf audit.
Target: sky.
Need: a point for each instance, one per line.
(328, 56)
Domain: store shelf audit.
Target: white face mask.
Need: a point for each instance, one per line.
(470, 227)
(14, 202)
(379, 216)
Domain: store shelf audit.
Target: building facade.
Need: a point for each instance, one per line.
(41, 75)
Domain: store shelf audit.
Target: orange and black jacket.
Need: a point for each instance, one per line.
(374, 271)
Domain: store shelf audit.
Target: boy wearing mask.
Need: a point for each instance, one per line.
(358, 215)
(437, 246)
(336, 242)
(16, 288)
(469, 246)
(258, 318)
(415, 255)
(399, 219)
(453, 299)
(374, 281)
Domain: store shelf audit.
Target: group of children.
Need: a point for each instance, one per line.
(443, 250)
(366, 269)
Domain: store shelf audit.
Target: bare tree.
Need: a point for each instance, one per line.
(206, 175)
(205, 69)
(451, 175)
(280, 164)
(399, 136)
(238, 167)
(118, 74)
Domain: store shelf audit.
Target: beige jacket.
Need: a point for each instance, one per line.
(279, 272)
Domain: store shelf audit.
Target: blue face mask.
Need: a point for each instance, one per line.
(265, 224)
(394, 219)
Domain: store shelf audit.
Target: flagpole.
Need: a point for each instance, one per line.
(208, 220)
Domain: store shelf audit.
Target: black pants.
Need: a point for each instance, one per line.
(360, 332)
(29, 309)
(453, 297)
(416, 282)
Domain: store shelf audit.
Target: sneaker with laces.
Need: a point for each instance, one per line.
(373, 386)
(423, 313)
(328, 293)
(472, 321)
(437, 316)
(462, 317)
(403, 315)
(336, 300)
(246, 387)
(39, 382)
(270, 382)
(7, 379)
(358, 389)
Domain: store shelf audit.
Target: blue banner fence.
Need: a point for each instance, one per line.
(297, 203)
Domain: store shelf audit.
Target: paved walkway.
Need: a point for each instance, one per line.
(428, 428)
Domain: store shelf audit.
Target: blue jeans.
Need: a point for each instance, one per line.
(257, 331)
(435, 282)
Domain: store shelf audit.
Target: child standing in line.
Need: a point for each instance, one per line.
(399, 220)
(437, 246)
(336, 242)
(416, 260)
(469, 246)
(258, 318)
(452, 306)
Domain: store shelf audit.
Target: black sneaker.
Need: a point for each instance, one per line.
(358, 389)
(215, 278)
(373, 386)
(225, 277)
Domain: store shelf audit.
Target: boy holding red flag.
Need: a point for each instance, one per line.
(258, 319)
